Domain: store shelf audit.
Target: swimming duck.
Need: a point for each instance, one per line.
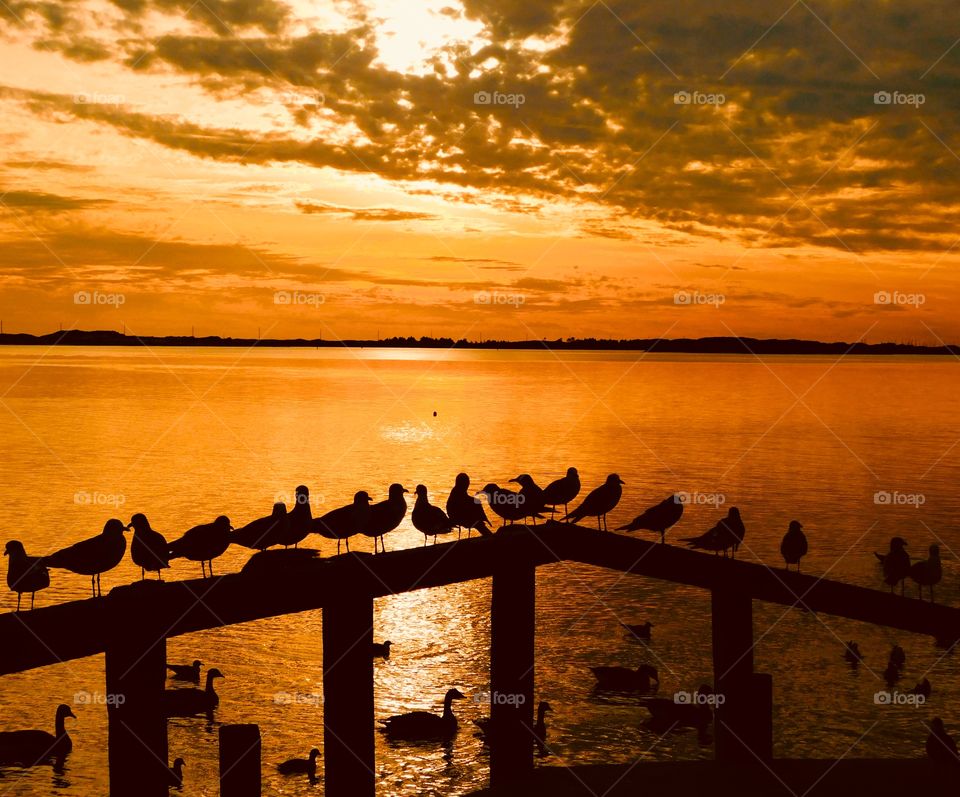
(892, 673)
(428, 519)
(667, 714)
(793, 547)
(381, 650)
(203, 543)
(385, 516)
(539, 729)
(186, 672)
(505, 503)
(897, 657)
(623, 679)
(175, 774)
(25, 573)
(29, 748)
(658, 518)
(940, 745)
(640, 631)
(301, 766)
(346, 521)
(599, 502)
(532, 495)
(927, 572)
(465, 511)
(148, 548)
(187, 702)
(93, 556)
(263, 532)
(895, 563)
(299, 519)
(422, 725)
(562, 491)
(852, 654)
(923, 688)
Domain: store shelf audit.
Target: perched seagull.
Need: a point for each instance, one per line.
(93, 556)
(658, 518)
(346, 521)
(464, 510)
(148, 548)
(927, 572)
(533, 501)
(717, 539)
(505, 503)
(386, 515)
(25, 573)
(203, 543)
(940, 745)
(428, 519)
(299, 519)
(896, 563)
(793, 547)
(599, 502)
(265, 531)
(562, 491)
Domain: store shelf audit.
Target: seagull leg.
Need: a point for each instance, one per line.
(211, 566)
(18, 601)
(33, 596)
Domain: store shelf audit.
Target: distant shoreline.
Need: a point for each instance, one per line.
(710, 345)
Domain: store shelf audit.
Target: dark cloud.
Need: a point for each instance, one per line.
(365, 214)
(42, 201)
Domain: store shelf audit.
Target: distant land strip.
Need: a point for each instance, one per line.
(712, 345)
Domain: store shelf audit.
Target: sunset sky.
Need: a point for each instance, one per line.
(196, 158)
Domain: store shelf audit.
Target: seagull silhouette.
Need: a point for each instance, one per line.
(562, 491)
(203, 543)
(533, 501)
(927, 572)
(599, 502)
(464, 510)
(346, 521)
(895, 563)
(793, 547)
(299, 519)
(263, 532)
(148, 548)
(24, 573)
(658, 518)
(385, 516)
(428, 519)
(93, 556)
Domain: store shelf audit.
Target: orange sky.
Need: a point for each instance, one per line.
(183, 164)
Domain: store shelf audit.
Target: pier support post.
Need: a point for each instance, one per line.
(743, 722)
(348, 716)
(136, 671)
(513, 627)
(239, 761)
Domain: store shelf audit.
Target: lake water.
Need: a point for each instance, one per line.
(184, 435)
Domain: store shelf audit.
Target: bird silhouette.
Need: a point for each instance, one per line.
(793, 547)
(658, 518)
(203, 543)
(428, 519)
(486, 726)
(464, 510)
(30, 748)
(927, 572)
(381, 650)
(891, 673)
(188, 702)
(299, 519)
(345, 521)
(301, 766)
(93, 556)
(599, 502)
(186, 672)
(941, 748)
(562, 491)
(423, 725)
(24, 573)
(852, 654)
(263, 532)
(175, 774)
(532, 494)
(623, 679)
(725, 536)
(896, 563)
(639, 630)
(385, 516)
(694, 712)
(504, 503)
(898, 657)
(923, 688)
(148, 548)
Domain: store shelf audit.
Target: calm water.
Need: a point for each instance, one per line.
(185, 435)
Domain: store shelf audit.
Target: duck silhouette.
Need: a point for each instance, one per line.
(345, 521)
(30, 748)
(465, 511)
(852, 654)
(24, 573)
(385, 516)
(301, 766)
(923, 688)
(599, 502)
(896, 563)
(639, 630)
(658, 518)
(381, 650)
(927, 572)
(189, 702)
(505, 504)
(186, 672)
(793, 546)
(203, 543)
(941, 748)
(562, 491)
(175, 774)
(148, 548)
(891, 673)
(93, 556)
(692, 712)
(263, 532)
(423, 725)
(623, 679)
(485, 724)
(897, 657)
(532, 494)
(428, 519)
(299, 519)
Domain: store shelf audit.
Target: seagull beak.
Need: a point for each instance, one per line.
(514, 480)
(621, 481)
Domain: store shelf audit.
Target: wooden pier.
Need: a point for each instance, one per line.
(132, 623)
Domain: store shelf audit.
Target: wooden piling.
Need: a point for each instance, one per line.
(240, 760)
